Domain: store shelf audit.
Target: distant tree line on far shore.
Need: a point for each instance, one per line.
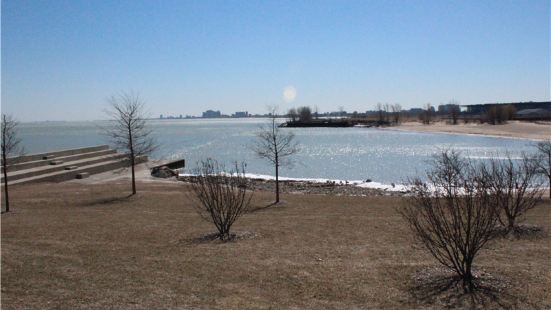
(452, 112)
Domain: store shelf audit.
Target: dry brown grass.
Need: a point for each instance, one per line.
(72, 246)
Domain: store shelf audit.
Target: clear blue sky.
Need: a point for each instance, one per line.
(61, 59)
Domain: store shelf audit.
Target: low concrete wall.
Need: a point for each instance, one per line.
(39, 156)
(46, 162)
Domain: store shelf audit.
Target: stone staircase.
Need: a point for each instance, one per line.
(64, 165)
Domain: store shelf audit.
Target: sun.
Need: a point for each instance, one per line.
(289, 94)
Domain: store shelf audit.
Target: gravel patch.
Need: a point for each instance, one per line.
(314, 188)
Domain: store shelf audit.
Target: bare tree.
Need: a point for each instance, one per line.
(292, 114)
(426, 116)
(396, 113)
(454, 111)
(451, 214)
(380, 113)
(342, 112)
(130, 132)
(276, 146)
(304, 114)
(223, 196)
(10, 146)
(316, 111)
(544, 160)
(499, 114)
(386, 108)
(514, 187)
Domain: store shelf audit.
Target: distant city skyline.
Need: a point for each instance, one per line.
(62, 59)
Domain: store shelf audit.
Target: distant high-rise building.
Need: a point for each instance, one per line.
(211, 114)
(241, 114)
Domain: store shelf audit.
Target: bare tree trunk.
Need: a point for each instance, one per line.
(276, 157)
(132, 161)
(133, 175)
(468, 284)
(511, 225)
(277, 182)
(6, 197)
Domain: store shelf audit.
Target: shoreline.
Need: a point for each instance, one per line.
(513, 129)
(318, 186)
(315, 186)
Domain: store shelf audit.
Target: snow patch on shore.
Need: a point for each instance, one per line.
(362, 184)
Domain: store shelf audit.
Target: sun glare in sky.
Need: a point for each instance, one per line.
(289, 94)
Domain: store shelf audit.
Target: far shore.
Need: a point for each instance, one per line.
(513, 129)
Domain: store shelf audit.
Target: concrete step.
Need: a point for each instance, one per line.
(22, 174)
(83, 175)
(65, 175)
(68, 158)
(40, 156)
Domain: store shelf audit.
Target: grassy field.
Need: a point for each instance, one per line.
(71, 246)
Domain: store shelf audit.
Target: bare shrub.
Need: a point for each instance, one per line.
(515, 188)
(451, 214)
(544, 161)
(222, 196)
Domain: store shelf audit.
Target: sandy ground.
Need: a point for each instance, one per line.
(516, 129)
(90, 246)
(123, 175)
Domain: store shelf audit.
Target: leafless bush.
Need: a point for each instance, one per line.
(451, 214)
(515, 188)
(222, 196)
(544, 161)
